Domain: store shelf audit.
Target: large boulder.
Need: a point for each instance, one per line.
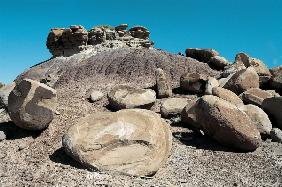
(227, 124)
(255, 96)
(227, 95)
(4, 94)
(31, 105)
(132, 141)
(276, 82)
(188, 115)
(273, 107)
(218, 62)
(193, 82)
(202, 55)
(125, 97)
(173, 106)
(243, 80)
(259, 117)
(163, 84)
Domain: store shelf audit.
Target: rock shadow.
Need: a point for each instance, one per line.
(60, 156)
(13, 132)
(199, 141)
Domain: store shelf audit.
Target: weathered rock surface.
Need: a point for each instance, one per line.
(227, 95)
(163, 84)
(243, 80)
(96, 95)
(202, 55)
(193, 82)
(273, 107)
(173, 106)
(210, 84)
(232, 68)
(255, 96)
(276, 82)
(276, 135)
(4, 94)
(125, 97)
(31, 105)
(225, 123)
(132, 141)
(218, 62)
(188, 115)
(259, 117)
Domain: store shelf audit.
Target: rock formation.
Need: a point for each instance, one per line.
(163, 84)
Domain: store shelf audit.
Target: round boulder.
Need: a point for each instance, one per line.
(131, 141)
(31, 105)
(126, 97)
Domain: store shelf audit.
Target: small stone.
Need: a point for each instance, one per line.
(173, 106)
(96, 95)
(2, 136)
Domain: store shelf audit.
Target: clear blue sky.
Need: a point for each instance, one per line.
(253, 26)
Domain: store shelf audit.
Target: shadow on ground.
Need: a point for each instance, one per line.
(13, 132)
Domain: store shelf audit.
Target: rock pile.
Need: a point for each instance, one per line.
(66, 42)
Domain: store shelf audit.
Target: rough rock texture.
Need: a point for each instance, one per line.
(202, 55)
(173, 106)
(32, 105)
(259, 117)
(96, 95)
(276, 135)
(210, 84)
(227, 95)
(218, 62)
(4, 94)
(256, 96)
(163, 84)
(125, 97)
(1, 85)
(273, 107)
(133, 141)
(227, 124)
(188, 115)
(193, 82)
(276, 82)
(243, 80)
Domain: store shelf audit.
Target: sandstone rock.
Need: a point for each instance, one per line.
(193, 82)
(173, 106)
(233, 68)
(4, 94)
(125, 97)
(121, 27)
(96, 95)
(131, 141)
(276, 135)
(276, 82)
(273, 107)
(211, 83)
(202, 55)
(243, 80)
(227, 124)
(218, 62)
(259, 118)
(31, 105)
(139, 32)
(227, 95)
(256, 96)
(163, 84)
(188, 115)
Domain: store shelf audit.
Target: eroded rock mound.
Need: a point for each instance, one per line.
(125, 97)
(131, 141)
(31, 105)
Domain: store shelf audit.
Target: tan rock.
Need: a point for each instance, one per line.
(273, 107)
(163, 84)
(211, 83)
(132, 141)
(188, 115)
(193, 82)
(256, 96)
(227, 95)
(173, 106)
(31, 105)
(125, 97)
(276, 82)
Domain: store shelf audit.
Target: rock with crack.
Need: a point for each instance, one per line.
(193, 82)
(273, 107)
(202, 55)
(259, 117)
(131, 141)
(4, 94)
(173, 107)
(243, 80)
(227, 95)
(31, 105)
(163, 84)
(126, 97)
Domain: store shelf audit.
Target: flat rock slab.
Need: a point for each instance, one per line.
(126, 97)
(131, 141)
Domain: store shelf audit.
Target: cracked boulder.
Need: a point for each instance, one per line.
(132, 141)
(125, 97)
(31, 105)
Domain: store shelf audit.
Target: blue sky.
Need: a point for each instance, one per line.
(252, 26)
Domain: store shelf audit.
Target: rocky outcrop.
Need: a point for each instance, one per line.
(133, 142)
(273, 107)
(202, 55)
(163, 84)
(126, 97)
(193, 82)
(66, 42)
(32, 105)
